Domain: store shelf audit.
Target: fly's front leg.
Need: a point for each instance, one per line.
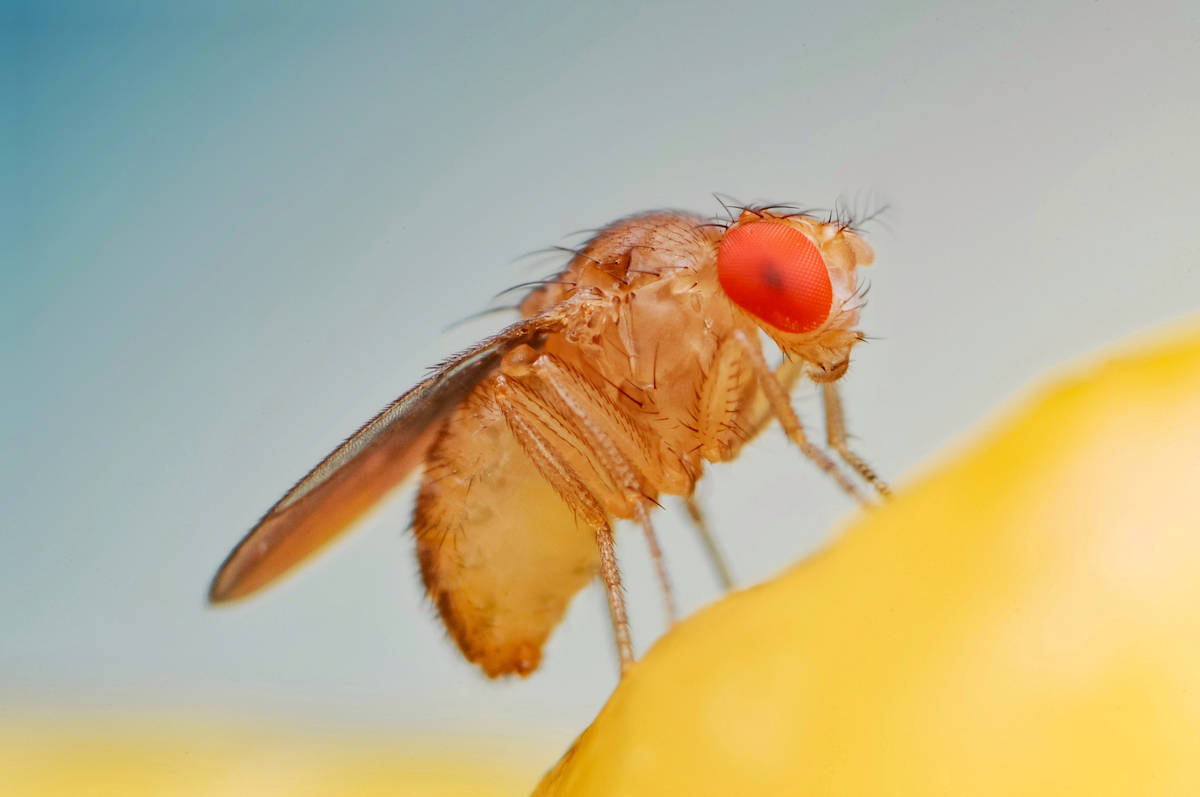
(788, 373)
(781, 405)
(519, 412)
(835, 427)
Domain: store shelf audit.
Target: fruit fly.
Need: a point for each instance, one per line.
(637, 364)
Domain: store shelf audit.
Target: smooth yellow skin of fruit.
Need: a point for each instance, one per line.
(1025, 620)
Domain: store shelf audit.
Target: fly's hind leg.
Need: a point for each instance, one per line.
(696, 515)
(575, 493)
(835, 427)
(583, 409)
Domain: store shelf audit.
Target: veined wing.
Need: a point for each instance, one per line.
(365, 468)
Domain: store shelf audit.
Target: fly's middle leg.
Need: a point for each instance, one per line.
(522, 417)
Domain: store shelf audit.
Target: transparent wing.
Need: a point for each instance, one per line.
(364, 469)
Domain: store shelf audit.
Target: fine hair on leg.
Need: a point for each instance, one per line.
(614, 462)
(572, 490)
(835, 428)
(782, 408)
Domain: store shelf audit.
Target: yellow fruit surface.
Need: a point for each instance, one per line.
(1024, 620)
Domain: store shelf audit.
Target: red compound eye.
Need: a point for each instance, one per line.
(776, 273)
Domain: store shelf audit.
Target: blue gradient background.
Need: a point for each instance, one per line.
(231, 232)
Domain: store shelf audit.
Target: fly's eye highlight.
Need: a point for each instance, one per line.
(776, 273)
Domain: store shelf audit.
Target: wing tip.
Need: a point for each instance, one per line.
(223, 589)
(232, 581)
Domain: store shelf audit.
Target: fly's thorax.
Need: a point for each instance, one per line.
(629, 253)
(649, 349)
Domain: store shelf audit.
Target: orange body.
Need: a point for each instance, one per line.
(632, 369)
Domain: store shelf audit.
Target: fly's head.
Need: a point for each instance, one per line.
(796, 277)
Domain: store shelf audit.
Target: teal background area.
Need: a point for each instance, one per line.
(231, 232)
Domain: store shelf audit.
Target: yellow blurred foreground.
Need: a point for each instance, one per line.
(1023, 621)
(148, 758)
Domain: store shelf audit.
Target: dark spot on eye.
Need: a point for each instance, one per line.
(771, 276)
